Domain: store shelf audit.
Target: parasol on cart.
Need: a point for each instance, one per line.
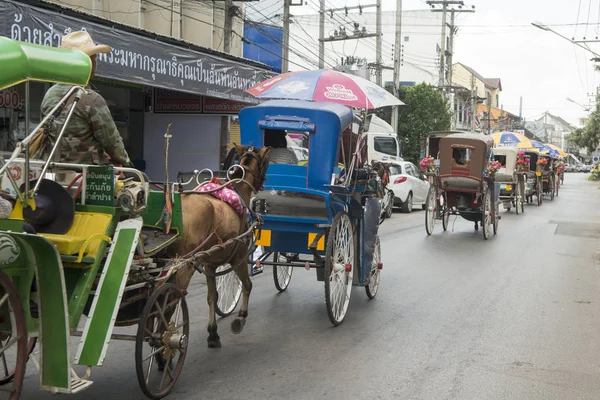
(325, 85)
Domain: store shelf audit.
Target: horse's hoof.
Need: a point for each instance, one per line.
(237, 325)
(214, 343)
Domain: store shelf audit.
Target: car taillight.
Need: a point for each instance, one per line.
(400, 179)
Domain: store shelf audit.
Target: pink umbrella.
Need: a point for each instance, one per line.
(325, 85)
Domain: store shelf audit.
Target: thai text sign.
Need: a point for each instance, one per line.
(135, 58)
(100, 186)
(218, 106)
(171, 102)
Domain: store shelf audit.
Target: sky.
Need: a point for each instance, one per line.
(498, 41)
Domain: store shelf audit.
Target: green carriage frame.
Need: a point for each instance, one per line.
(87, 270)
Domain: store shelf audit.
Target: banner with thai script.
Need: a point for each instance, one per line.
(135, 58)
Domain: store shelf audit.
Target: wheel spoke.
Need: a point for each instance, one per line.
(151, 355)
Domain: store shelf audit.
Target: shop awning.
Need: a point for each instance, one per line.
(136, 56)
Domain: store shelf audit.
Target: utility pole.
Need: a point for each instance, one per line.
(286, 36)
(378, 42)
(446, 54)
(473, 102)
(227, 37)
(450, 47)
(357, 34)
(489, 99)
(397, 47)
(322, 35)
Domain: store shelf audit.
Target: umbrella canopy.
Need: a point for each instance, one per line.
(325, 85)
(560, 151)
(512, 139)
(543, 148)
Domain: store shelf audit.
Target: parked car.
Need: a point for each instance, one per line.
(587, 168)
(408, 184)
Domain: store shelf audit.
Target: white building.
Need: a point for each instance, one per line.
(421, 36)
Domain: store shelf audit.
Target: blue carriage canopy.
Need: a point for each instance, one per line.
(324, 122)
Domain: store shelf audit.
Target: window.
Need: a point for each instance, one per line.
(415, 171)
(411, 170)
(395, 169)
(501, 159)
(386, 145)
(406, 38)
(461, 155)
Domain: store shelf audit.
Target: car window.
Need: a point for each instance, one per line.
(409, 170)
(395, 169)
(385, 145)
(415, 170)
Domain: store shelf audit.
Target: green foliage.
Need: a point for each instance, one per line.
(424, 111)
(588, 136)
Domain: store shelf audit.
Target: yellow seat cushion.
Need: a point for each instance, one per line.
(85, 226)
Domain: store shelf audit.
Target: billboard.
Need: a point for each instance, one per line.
(265, 44)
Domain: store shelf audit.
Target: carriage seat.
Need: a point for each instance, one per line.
(504, 178)
(459, 183)
(84, 237)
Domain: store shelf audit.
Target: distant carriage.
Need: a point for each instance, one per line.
(512, 181)
(461, 186)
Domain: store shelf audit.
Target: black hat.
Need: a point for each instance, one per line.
(54, 208)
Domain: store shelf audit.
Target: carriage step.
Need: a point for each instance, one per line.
(79, 385)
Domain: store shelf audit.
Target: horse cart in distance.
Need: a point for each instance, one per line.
(464, 185)
(546, 166)
(317, 216)
(511, 178)
(80, 241)
(533, 175)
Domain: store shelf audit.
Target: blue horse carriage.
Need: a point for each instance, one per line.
(322, 214)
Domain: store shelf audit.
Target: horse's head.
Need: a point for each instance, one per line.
(254, 162)
(383, 171)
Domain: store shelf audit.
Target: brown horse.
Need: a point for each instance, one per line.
(206, 220)
(383, 171)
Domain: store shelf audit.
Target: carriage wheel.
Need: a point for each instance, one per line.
(339, 268)
(430, 211)
(445, 217)
(485, 214)
(520, 199)
(373, 286)
(163, 330)
(13, 356)
(282, 275)
(496, 218)
(229, 291)
(557, 186)
(6, 374)
(538, 191)
(551, 184)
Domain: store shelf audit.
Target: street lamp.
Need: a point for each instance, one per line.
(543, 27)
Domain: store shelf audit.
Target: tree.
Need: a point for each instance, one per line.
(589, 135)
(425, 111)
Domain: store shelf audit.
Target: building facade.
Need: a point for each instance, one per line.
(148, 80)
(474, 93)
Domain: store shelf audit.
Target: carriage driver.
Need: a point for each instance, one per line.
(91, 133)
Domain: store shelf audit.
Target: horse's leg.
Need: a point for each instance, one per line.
(237, 325)
(214, 341)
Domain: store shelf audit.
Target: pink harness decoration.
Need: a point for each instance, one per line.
(227, 195)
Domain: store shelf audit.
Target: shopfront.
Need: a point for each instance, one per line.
(136, 80)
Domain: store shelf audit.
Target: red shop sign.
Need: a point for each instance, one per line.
(11, 99)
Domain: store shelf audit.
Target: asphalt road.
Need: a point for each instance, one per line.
(456, 317)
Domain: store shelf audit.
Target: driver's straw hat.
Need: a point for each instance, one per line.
(81, 40)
